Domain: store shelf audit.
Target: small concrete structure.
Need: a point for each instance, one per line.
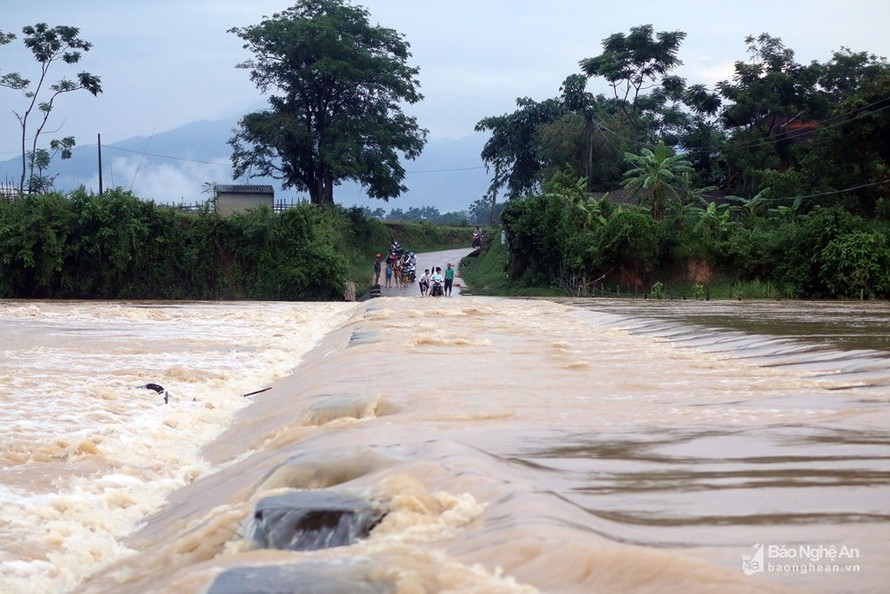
(234, 198)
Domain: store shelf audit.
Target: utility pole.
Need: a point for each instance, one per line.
(99, 142)
(494, 193)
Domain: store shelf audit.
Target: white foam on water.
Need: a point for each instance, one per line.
(519, 445)
(85, 457)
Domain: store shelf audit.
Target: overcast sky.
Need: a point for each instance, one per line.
(164, 63)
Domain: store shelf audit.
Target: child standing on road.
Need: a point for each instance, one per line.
(397, 272)
(424, 282)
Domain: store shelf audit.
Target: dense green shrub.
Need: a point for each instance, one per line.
(628, 241)
(536, 238)
(856, 265)
(798, 245)
(35, 236)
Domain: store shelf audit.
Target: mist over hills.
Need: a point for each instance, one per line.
(172, 167)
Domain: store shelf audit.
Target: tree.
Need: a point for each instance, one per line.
(48, 45)
(338, 117)
(633, 62)
(514, 149)
(767, 97)
(852, 147)
(770, 90)
(657, 171)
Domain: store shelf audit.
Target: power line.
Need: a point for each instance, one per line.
(816, 195)
(170, 157)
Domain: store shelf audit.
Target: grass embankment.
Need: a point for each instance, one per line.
(486, 275)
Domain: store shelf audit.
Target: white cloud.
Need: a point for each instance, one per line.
(167, 183)
(710, 75)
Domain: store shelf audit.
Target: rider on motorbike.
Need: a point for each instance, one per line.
(436, 282)
(477, 237)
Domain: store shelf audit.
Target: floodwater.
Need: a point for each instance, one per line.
(511, 445)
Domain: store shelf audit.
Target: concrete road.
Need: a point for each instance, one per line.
(427, 260)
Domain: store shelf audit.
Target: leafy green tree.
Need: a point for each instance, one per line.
(714, 220)
(415, 214)
(657, 172)
(34, 245)
(41, 160)
(851, 148)
(48, 45)
(485, 212)
(634, 62)
(750, 208)
(767, 96)
(513, 149)
(795, 252)
(575, 140)
(377, 213)
(770, 89)
(342, 84)
(590, 150)
(586, 210)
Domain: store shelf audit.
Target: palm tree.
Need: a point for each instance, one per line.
(751, 208)
(659, 172)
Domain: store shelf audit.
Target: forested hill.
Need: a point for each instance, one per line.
(172, 167)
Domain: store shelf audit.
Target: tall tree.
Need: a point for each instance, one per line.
(634, 62)
(767, 97)
(771, 89)
(514, 150)
(342, 83)
(852, 146)
(48, 46)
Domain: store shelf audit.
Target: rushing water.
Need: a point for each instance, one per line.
(511, 445)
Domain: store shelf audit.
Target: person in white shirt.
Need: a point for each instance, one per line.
(424, 282)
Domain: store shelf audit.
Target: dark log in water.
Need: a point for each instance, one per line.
(311, 520)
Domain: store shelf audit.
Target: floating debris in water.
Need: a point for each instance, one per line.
(159, 389)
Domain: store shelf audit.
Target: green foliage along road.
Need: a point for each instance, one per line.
(116, 246)
(778, 178)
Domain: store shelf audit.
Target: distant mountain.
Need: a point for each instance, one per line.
(172, 167)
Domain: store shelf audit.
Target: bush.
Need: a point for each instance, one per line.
(628, 241)
(856, 265)
(536, 239)
(657, 290)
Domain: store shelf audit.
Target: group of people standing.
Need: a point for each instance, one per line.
(437, 284)
(399, 272)
(399, 269)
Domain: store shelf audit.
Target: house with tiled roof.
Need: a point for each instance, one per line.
(232, 198)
